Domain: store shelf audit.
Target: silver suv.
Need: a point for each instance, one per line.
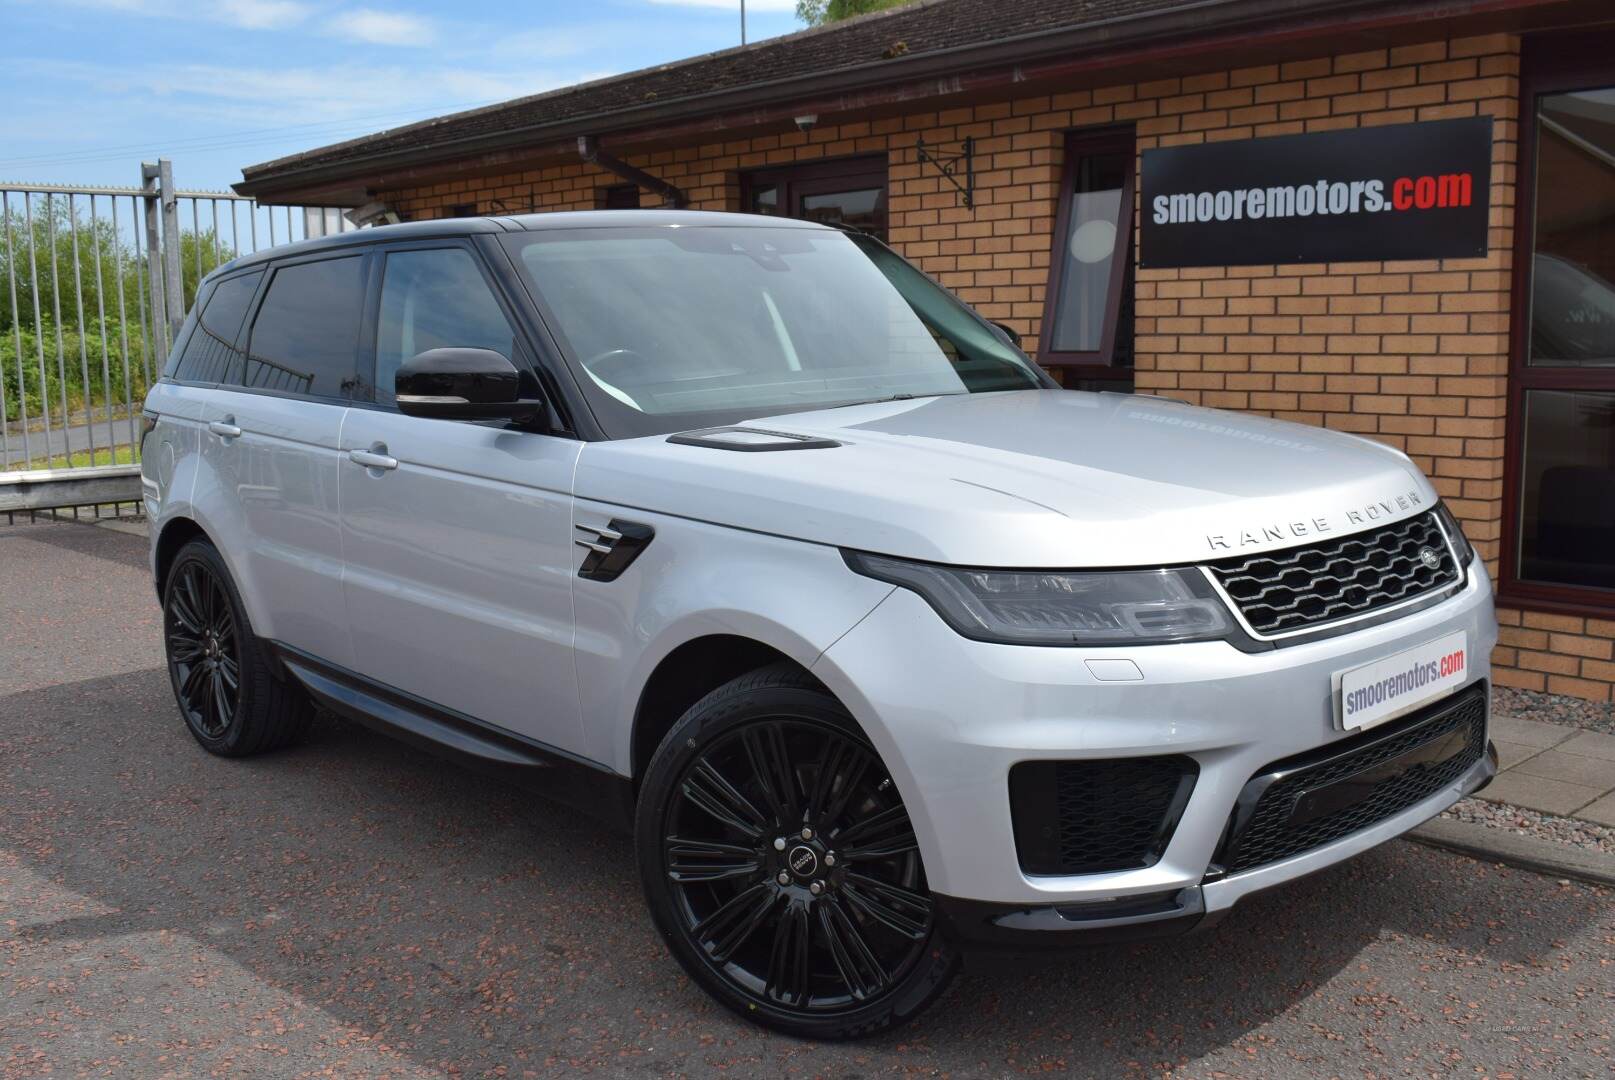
(746, 533)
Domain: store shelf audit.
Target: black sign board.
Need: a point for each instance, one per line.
(1406, 191)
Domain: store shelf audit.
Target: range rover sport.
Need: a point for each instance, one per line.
(748, 534)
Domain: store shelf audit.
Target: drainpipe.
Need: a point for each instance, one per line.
(589, 150)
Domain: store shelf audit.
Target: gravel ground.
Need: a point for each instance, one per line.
(1523, 822)
(1554, 709)
(353, 907)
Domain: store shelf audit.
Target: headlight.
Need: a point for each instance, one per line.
(1455, 533)
(1053, 607)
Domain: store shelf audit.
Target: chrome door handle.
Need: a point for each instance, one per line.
(225, 429)
(374, 458)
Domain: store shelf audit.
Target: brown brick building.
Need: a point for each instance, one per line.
(1494, 371)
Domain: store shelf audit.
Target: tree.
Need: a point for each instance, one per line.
(821, 12)
(74, 309)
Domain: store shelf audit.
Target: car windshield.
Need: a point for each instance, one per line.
(677, 327)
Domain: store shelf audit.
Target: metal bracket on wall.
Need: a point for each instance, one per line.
(515, 205)
(948, 165)
(589, 150)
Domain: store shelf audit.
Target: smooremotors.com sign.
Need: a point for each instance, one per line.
(1405, 191)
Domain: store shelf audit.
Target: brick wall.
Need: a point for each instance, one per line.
(1414, 354)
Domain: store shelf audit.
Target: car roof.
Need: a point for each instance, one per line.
(564, 219)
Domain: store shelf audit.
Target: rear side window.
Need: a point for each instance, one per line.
(210, 353)
(306, 337)
(186, 332)
(432, 299)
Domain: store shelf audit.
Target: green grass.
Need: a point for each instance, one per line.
(123, 455)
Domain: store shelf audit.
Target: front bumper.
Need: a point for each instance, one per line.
(1013, 927)
(951, 717)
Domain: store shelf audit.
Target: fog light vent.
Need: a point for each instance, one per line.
(1098, 815)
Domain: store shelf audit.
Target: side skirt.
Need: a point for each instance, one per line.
(546, 770)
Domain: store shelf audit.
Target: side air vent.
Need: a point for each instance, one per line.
(611, 548)
(749, 440)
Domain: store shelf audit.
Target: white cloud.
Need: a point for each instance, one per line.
(245, 14)
(263, 14)
(383, 27)
(372, 26)
(732, 5)
(250, 99)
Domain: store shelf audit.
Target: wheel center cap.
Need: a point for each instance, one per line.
(803, 861)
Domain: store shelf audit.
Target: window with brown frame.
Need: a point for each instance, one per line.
(845, 191)
(617, 197)
(1088, 309)
(1559, 516)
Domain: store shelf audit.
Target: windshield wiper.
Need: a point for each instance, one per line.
(894, 397)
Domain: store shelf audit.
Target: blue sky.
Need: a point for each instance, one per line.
(92, 87)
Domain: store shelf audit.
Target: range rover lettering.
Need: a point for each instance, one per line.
(750, 536)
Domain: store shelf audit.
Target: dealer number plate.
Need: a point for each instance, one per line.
(1397, 684)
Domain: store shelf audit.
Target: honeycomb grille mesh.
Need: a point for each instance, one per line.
(1301, 587)
(1090, 817)
(1270, 835)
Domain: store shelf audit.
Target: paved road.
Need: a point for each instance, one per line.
(354, 906)
(70, 439)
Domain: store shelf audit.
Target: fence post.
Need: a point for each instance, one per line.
(149, 175)
(163, 251)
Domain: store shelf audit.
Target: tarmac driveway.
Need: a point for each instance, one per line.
(354, 906)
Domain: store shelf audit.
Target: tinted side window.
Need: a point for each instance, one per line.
(186, 332)
(306, 337)
(211, 354)
(433, 299)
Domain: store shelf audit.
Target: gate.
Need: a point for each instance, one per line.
(97, 281)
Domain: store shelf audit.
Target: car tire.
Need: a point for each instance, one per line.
(223, 679)
(780, 865)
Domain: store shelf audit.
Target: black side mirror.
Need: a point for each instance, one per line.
(1009, 333)
(462, 384)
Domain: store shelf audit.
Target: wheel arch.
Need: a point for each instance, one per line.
(175, 534)
(684, 676)
(181, 529)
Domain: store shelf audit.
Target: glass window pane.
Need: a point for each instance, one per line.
(1573, 269)
(863, 208)
(435, 299)
(306, 337)
(674, 329)
(210, 354)
(765, 199)
(619, 197)
(1096, 237)
(192, 325)
(228, 305)
(1567, 496)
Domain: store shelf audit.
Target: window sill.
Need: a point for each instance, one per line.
(1557, 600)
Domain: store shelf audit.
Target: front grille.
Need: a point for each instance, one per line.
(1303, 587)
(1304, 802)
(1089, 817)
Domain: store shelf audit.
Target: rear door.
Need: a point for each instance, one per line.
(179, 400)
(459, 552)
(271, 443)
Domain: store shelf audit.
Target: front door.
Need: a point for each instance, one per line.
(458, 548)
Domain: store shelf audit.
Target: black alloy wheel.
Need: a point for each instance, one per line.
(785, 871)
(223, 682)
(204, 649)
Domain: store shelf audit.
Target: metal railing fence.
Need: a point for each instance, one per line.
(96, 282)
